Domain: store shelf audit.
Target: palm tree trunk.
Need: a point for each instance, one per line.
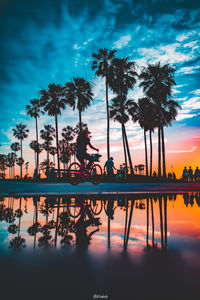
(146, 157)
(108, 232)
(163, 152)
(47, 162)
(161, 220)
(58, 159)
(37, 164)
(21, 161)
(108, 121)
(125, 157)
(165, 218)
(159, 143)
(151, 151)
(147, 222)
(129, 224)
(128, 151)
(80, 121)
(152, 221)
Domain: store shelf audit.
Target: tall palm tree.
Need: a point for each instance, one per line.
(157, 81)
(102, 62)
(139, 113)
(68, 134)
(79, 94)
(15, 147)
(122, 78)
(47, 135)
(21, 133)
(119, 111)
(53, 101)
(34, 111)
(169, 112)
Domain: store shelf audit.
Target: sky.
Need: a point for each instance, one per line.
(44, 42)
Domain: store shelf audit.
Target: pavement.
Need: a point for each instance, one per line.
(11, 188)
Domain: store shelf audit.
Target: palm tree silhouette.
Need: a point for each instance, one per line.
(102, 63)
(123, 78)
(157, 82)
(79, 94)
(119, 111)
(37, 148)
(47, 135)
(169, 111)
(21, 133)
(34, 111)
(15, 147)
(53, 101)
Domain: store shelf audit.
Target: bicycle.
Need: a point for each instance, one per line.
(78, 172)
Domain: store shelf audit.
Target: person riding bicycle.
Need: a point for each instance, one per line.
(83, 141)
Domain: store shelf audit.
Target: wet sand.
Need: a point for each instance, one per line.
(9, 188)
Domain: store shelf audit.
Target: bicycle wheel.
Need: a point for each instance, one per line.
(74, 207)
(96, 174)
(96, 206)
(74, 173)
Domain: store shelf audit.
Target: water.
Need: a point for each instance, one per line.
(104, 245)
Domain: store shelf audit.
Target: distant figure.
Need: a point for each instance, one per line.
(173, 176)
(185, 174)
(169, 176)
(154, 174)
(190, 174)
(109, 166)
(197, 174)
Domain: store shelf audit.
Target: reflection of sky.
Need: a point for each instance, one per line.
(52, 41)
(183, 228)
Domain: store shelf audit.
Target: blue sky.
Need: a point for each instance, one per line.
(52, 41)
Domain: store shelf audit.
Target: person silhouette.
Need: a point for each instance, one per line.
(109, 166)
(185, 174)
(197, 174)
(190, 174)
(83, 141)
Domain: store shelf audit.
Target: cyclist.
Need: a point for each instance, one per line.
(83, 141)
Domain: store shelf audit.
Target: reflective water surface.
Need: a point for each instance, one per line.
(104, 241)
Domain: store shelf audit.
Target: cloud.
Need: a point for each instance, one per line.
(122, 42)
(183, 151)
(188, 70)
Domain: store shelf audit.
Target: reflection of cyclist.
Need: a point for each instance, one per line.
(82, 142)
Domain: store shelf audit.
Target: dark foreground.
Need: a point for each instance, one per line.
(153, 275)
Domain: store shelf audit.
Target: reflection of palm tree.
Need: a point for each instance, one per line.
(129, 225)
(161, 220)
(152, 220)
(147, 222)
(53, 101)
(101, 64)
(20, 133)
(165, 218)
(79, 94)
(34, 111)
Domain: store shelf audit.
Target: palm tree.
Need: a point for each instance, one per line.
(21, 133)
(119, 111)
(34, 111)
(79, 94)
(37, 148)
(11, 157)
(3, 165)
(15, 147)
(102, 63)
(68, 135)
(169, 111)
(47, 135)
(122, 78)
(157, 82)
(53, 101)
(139, 113)
(53, 153)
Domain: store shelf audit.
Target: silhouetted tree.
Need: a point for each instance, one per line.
(101, 64)
(21, 133)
